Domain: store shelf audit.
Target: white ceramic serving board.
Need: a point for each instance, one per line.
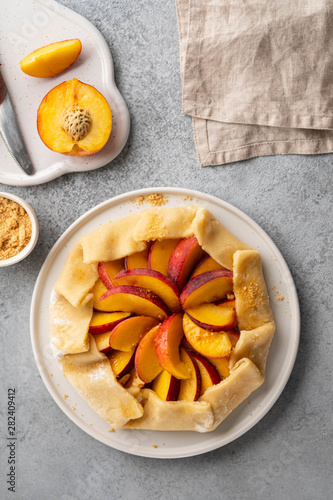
(25, 26)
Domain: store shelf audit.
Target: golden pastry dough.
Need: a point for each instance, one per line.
(89, 371)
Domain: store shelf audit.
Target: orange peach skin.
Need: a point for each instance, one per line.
(51, 59)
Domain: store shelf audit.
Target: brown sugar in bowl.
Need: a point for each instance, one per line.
(13, 252)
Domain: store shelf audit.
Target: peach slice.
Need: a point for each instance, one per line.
(208, 372)
(214, 317)
(105, 322)
(153, 281)
(191, 387)
(207, 264)
(160, 253)
(138, 260)
(207, 343)
(183, 259)
(98, 290)
(127, 334)
(74, 119)
(135, 300)
(234, 337)
(103, 341)
(222, 366)
(147, 365)
(122, 362)
(207, 287)
(51, 59)
(166, 386)
(167, 343)
(108, 270)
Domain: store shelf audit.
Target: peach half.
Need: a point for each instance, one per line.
(51, 59)
(74, 119)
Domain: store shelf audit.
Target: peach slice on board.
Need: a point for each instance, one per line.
(214, 317)
(135, 300)
(207, 287)
(153, 281)
(108, 270)
(207, 343)
(74, 119)
(51, 59)
(104, 322)
(183, 259)
(122, 362)
(167, 344)
(190, 388)
(138, 260)
(103, 341)
(166, 386)
(207, 264)
(126, 335)
(160, 253)
(208, 372)
(147, 364)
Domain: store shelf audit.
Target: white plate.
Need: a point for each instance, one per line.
(281, 356)
(42, 22)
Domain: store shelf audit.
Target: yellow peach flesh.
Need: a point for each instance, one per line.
(207, 343)
(126, 335)
(52, 59)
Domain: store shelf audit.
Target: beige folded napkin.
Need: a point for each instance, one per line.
(257, 76)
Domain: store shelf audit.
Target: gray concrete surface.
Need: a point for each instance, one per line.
(290, 197)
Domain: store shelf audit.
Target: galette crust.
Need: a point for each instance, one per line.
(89, 370)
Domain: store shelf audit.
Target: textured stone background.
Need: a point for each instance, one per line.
(289, 453)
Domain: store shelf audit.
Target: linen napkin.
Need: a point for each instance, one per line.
(257, 76)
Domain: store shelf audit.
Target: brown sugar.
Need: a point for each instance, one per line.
(15, 228)
(155, 200)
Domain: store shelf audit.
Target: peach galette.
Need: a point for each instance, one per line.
(161, 320)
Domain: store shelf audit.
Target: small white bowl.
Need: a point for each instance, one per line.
(34, 231)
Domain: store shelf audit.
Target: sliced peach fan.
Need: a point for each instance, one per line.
(170, 352)
(74, 119)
